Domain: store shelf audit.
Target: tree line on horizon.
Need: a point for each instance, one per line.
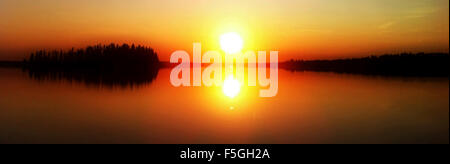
(112, 57)
(126, 59)
(404, 64)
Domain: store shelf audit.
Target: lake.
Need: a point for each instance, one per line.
(310, 107)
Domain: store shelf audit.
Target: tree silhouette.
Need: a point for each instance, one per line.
(113, 57)
(110, 65)
(405, 64)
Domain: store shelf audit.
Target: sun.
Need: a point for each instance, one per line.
(231, 87)
(231, 42)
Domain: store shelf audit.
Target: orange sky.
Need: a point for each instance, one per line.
(302, 29)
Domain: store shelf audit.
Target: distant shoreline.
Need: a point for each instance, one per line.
(405, 64)
(11, 64)
(421, 64)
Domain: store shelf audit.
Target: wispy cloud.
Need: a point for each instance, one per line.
(420, 12)
(314, 30)
(386, 25)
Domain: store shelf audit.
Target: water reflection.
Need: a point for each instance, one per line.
(231, 87)
(310, 108)
(97, 78)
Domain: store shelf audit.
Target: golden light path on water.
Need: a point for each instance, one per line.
(231, 43)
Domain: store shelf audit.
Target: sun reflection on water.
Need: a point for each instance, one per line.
(231, 87)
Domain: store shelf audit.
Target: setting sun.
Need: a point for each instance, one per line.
(231, 42)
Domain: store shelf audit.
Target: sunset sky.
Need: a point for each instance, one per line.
(301, 29)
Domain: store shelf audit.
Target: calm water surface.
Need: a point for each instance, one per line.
(309, 108)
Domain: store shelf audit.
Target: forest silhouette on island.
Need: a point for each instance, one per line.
(106, 65)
